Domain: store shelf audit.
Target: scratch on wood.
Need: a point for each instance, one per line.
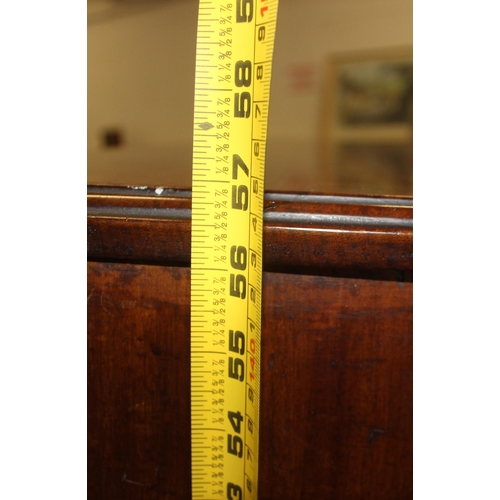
(103, 306)
(374, 434)
(130, 408)
(137, 483)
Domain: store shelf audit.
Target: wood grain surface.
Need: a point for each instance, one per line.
(336, 401)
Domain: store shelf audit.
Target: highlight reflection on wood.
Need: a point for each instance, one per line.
(336, 402)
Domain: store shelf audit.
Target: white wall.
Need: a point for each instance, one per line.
(141, 75)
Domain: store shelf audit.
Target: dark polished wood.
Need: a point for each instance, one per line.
(341, 233)
(336, 402)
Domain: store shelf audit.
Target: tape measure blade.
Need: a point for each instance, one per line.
(232, 87)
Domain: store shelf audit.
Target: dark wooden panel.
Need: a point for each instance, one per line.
(336, 386)
(302, 233)
(138, 382)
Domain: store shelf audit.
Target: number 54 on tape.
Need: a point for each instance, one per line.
(234, 51)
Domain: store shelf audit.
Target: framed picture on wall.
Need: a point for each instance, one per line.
(366, 118)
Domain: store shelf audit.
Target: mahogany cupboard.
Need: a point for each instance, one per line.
(336, 402)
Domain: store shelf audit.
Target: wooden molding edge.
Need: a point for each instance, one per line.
(303, 233)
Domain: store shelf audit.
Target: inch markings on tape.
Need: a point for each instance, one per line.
(234, 52)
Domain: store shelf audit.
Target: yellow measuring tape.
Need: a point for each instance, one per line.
(232, 85)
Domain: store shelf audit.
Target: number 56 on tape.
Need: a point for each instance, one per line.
(234, 52)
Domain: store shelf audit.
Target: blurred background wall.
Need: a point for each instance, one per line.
(141, 57)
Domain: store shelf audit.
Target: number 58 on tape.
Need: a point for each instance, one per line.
(234, 50)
